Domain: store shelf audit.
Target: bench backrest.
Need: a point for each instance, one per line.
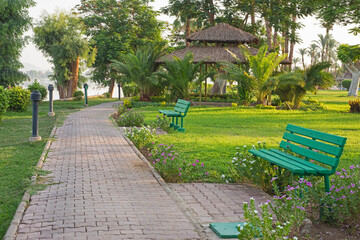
(182, 106)
(318, 146)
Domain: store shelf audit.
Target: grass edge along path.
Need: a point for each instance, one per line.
(18, 156)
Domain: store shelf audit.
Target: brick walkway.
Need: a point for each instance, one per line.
(102, 190)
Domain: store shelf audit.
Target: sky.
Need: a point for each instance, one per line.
(34, 59)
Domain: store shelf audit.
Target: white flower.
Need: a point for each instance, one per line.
(235, 158)
(244, 160)
(241, 228)
(245, 223)
(273, 231)
(223, 176)
(259, 142)
(251, 168)
(252, 198)
(253, 146)
(233, 161)
(239, 225)
(244, 165)
(252, 161)
(270, 217)
(255, 211)
(280, 227)
(226, 181)
(244, 146)
(295, 238)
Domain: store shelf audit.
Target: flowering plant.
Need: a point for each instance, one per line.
(247, 167)
(234, 105)
(140, 136)
(162, 104)
(256, 226)
(170, 166)
(130, 118)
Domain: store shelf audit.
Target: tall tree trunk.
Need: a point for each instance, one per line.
(252, 12)
(211, 13)
(355, 71)
(61, 92)
(111, 86)
(275, 39)
(72, 83)
(187, 30)
(268, 33)
(292, 43)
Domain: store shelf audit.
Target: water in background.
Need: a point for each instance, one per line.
(93, 89)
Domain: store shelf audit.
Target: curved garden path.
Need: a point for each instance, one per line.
(101, 189)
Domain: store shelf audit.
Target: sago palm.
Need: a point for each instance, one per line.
(179, 73)
(262, 66)
(139, 68)
(301, 81)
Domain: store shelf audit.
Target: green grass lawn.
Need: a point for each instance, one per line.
(18, 157)
(212, 134)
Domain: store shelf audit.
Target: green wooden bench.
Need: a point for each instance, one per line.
(323, 148)
(180, 110)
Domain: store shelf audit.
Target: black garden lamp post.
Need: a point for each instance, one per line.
(119, 86)
(86, 96)
(35, 98)
(51, 104)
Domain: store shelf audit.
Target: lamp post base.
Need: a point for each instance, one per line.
(51, 114)
(35, 139)
(86, 105)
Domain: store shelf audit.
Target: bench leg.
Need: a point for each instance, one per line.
(177, 124)
(172, 123)
(327, 183)
(182, 129)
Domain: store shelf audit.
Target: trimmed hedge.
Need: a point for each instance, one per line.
(19, 99)
(42, 89)
(4, 101)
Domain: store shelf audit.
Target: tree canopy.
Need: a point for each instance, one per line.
(60, 36)
(118, 27)
(14, 22)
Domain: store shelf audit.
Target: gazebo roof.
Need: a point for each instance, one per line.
(223, 33)
(212, 54)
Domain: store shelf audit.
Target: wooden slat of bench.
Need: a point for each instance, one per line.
(170, 113)
(317, 135)
(331, 149)
(184, 102)
(271, 159)
(319, 169)
(181, 105)
(282, 158)
(182, 110)
(310, 154)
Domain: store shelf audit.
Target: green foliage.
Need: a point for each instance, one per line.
(260, 106)
(140, 136)
(78, 95)
(162, 122)
(130, 89)
(117, 27)
(139, 68)
(130, 118)
(348, 53)
(36, 86)
(312, 105)
(157, 99)
(127, 103)
(346, 83)
(4, 101)
(19, 99)
(179, 73)
(107, 95)
(61, 38)
(294, 85)
(14, 22)
(354, 106)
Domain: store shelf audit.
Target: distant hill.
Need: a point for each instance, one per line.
(29, 66)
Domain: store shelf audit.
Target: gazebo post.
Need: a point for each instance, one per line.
(200, 85)
(206, 70)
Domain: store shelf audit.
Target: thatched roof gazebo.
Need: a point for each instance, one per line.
(223, 33)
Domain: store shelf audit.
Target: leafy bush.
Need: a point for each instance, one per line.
(135, 99)
(161, 122)
(4, 101)
(276, 101)
(312, 105)
(140, 137)
(346, 83)
(130, 90)
(247, 167)
(130, 118)
(127, 103)
(42, 89)
(260, 106)
(234, 105)
(171, 168)
(19, 98)
(163, 104)
(354, 106)
(157, 99)
(78, 95)
(106, 95)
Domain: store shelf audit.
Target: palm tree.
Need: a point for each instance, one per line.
(262, 66)
(322, 43)
(299, 82)
(139, 68)
(296, 61)
(179, 73)
(313, 53)
(302, 52)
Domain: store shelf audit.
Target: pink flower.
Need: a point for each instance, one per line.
(351, 167)
(206, 173)
(154, 162)
(197, 160)
(194, 164)
(202, 164)
(179, 174)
